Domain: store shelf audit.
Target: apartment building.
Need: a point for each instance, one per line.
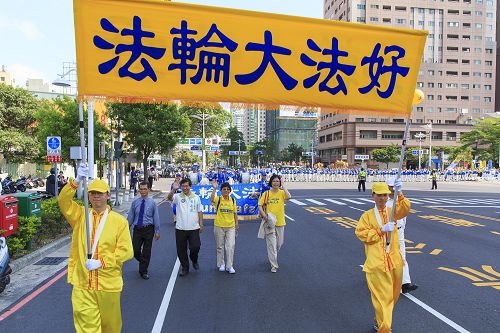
(249, 119)
(7, 77)
(457, 74)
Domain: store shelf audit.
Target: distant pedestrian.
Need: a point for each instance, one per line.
(362, 180)
(174, 206)
(383, 266)
(151, 177)
(144, 216)
(134, 178)
(189, 224)
(434, 176)
(225, 225)
(97, 282)
(273, 201)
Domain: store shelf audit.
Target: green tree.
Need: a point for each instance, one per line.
(17, 124)
(292, 153)
(483, 139)
(60, 117)
(267, 146)
(234, 135)
(215, 125)
(149, 128)
(387, 154)
(186, 158)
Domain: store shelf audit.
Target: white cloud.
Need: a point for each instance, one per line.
(22, 73)
(27, 28)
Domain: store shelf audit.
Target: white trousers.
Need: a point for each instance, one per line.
(274, 241)
(225, 239)
(402, 248)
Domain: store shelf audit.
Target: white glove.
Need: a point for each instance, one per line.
(398, 185)
(388, 227)
(82, 173)
(92, 264)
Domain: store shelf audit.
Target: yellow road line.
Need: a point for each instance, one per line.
(468, 276)
(464, 213)
(489, 269)
(495, 232)
(436, 252)
(420, 246)
(486, 284)
(473, 271)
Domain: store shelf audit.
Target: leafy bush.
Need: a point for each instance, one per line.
(53, 222)
(21, 240)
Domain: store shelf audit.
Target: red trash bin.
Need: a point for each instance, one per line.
(8, 215)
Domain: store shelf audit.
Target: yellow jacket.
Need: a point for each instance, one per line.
(369, 232)
(113, 249)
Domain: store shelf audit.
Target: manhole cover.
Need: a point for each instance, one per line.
(51, 261)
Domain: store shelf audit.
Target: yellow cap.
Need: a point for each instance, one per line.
(380, 188)
(99, 185)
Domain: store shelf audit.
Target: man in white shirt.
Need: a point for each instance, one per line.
(401, 224)
(189, 224)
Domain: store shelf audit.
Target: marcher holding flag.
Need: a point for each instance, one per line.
(97, 282)
(383, 267)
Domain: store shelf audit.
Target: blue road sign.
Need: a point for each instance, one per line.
(233, 152)
(259, 152)
(54, 142)
(195, 148)
(414, 151)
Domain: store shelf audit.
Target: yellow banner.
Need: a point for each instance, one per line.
(137, 51)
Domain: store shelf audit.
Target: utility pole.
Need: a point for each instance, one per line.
(420, 136)
(239, 141)
(203, 118)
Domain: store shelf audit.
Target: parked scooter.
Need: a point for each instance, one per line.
(5, 269)
(29, 182)
(21, 184)
(8, 186)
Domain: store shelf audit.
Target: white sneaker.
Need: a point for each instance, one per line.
(222, 268)
(274, 270)
(231, 270)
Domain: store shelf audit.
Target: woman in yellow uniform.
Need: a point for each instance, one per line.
(384, 264)
(97, 282)
(273, 201)
(225, 225)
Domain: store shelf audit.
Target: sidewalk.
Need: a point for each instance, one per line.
(26, 276)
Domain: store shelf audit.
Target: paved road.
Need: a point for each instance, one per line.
(453, 243)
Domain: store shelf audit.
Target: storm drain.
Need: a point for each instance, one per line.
(51, 261)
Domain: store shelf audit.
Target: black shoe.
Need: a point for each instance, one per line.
(184, 272)
(375, 327)
(407, 287)
(145, 276)
(196, 265)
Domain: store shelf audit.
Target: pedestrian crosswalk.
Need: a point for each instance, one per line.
(415, 201)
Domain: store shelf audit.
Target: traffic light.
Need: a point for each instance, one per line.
(216, 152)
(118, 145)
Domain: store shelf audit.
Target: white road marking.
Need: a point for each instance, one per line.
(367, 200)
(456, 206)
(438, 315)
(361, 210)
(297, 202)
(353, 201)
(162, 312)
(288, 217)
(319, 203)
(335, 202)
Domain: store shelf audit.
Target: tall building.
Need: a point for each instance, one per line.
(497, 85)
(249, 119)
(292, 125)
(457, 74)
(7, 77)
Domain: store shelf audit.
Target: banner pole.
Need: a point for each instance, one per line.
(85, 187)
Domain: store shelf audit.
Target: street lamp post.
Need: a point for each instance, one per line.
(203, 118)
(429, 128)
(239, 141)
(420, 136)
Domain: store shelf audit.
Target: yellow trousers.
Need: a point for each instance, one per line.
(384, 289)
(96, 311)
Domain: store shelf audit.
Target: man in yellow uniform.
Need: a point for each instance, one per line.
(383, 266)
(97, 282)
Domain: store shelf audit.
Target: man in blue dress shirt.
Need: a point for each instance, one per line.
(144, 216)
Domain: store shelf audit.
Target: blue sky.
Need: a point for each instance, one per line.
(36, 37)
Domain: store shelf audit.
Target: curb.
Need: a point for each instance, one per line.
(28, 259)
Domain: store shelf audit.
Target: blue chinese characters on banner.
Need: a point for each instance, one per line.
(246, 196)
